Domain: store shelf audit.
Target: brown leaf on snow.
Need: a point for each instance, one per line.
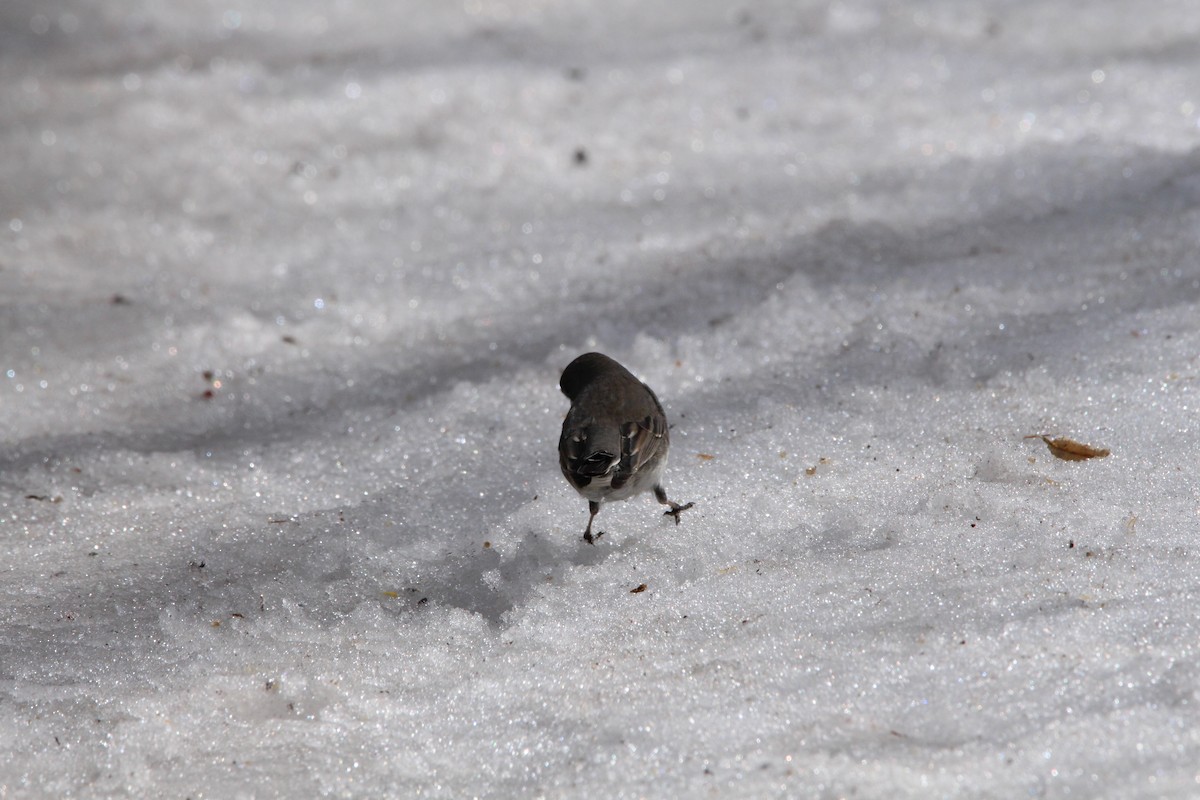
(1069, 449)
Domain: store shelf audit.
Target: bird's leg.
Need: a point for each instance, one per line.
(594, 509)
(676, 509)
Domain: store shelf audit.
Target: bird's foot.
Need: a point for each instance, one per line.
(591, 538)
(676, 510)
(660, 494)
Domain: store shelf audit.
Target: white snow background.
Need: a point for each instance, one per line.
(285, 291)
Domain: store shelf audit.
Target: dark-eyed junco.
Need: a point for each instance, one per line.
(614, 440)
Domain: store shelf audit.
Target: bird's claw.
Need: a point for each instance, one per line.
(676, 510)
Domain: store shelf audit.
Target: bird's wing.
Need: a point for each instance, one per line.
(579, 461)
(640, 442)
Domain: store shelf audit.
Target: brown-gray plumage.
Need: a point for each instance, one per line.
(614, 440)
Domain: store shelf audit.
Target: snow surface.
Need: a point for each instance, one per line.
(285, 290)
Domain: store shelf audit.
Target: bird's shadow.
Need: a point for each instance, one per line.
(492, 583)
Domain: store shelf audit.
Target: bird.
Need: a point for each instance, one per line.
(614, 439)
